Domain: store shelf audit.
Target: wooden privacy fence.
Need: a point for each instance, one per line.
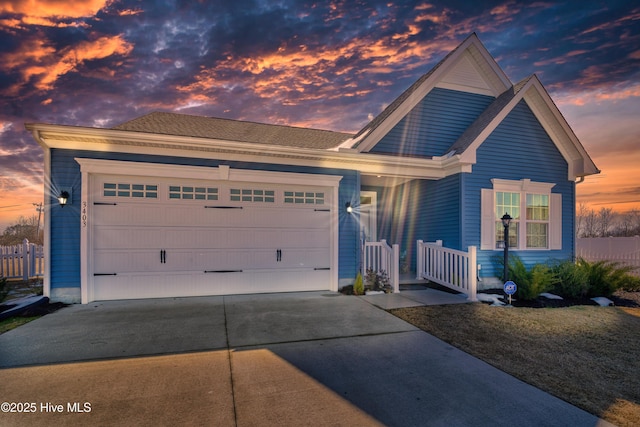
(379, 256)
(452, 268)
(22, 261)
(623, 250)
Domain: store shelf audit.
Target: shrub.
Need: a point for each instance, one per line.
(583, 278)
(531, 282)
(377, 280)
(633, 284)
(358, 287)
(605, 277)
(4, 288)
(573, 280)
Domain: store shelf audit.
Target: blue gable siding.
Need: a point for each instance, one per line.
(519, 148)
(65, 222)
(432, 127)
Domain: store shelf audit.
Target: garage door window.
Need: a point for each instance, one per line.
(192, 193)
(252, 195)
(304, 197)
(130, 190)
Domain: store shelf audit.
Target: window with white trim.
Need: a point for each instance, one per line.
(536, 213)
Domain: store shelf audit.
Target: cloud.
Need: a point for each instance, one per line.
(49, 13)
(41, 65)
(332, 65)
(53, 8)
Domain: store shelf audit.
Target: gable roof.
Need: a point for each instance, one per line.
(537, 98)
(472, 50)
(233, 130)
(471, 68)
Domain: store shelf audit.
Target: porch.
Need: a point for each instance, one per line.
(454, 272)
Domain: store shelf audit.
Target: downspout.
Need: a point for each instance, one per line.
(575, 224)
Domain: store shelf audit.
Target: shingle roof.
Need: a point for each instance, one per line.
(234, 130)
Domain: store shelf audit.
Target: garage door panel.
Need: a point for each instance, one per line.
(128, 238)
(209, 247)
(223, 259)
(303, 239)
(111, 215)
(290, 218)
(211, 238)
(309, 258)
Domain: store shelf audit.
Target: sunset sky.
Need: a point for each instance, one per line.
(330, 65)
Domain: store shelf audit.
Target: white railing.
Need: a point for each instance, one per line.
(623, 250)
(379, 256)
(452, 268)
(22, 261)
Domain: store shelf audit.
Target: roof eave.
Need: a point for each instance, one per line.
(103, 140)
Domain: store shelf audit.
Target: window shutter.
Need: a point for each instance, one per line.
(555, 225)
(487, 220)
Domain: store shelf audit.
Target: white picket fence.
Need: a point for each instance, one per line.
(379, 256)
(624, 250)
(22, 261)
(457, 270)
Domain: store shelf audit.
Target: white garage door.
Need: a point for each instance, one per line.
(162, 237)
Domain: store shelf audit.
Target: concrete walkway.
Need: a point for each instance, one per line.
(314, 358)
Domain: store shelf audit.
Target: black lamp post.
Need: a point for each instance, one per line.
(506, 220)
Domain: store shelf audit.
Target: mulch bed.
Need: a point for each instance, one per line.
(619, 299)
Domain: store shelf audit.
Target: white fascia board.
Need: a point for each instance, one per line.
(579, 162)
(558, 129)
(499, 81)
(109, 140)
(223, 172)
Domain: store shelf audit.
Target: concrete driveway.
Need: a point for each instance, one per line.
(312, 358)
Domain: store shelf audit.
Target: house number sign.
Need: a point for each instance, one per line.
(84, 214)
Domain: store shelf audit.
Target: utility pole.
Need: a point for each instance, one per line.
(40, 209)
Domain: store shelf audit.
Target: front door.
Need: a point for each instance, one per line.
(368, 216)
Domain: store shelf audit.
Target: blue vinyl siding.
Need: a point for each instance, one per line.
(65, 222)
(519, 148)
(443, 217)
(427, 210)
(432, 127)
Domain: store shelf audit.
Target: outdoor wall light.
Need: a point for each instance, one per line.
(64, 197)
(348, 207)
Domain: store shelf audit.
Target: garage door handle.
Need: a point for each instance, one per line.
(223, 207)
(104, 274)
(163, 256)
(322, 268)
(223, 271)
(279, 255)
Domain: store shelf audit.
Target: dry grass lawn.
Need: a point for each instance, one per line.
(586, 355)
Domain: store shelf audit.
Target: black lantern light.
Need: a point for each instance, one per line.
(63, 198)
